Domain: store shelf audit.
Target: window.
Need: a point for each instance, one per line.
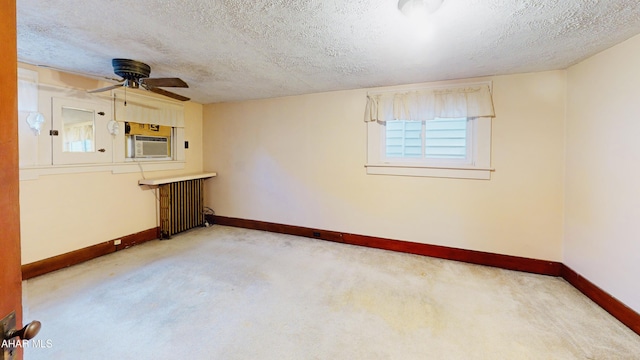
(429, 133)
(152, 128)
(434, 141)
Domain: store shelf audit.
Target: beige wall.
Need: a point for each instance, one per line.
(300, 160)
(602, 237)
(62, 213)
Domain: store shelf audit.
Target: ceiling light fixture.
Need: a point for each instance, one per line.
(419, 8)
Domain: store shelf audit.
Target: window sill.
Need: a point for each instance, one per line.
(429, 171)
(33, 173)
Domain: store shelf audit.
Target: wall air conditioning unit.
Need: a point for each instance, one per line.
(143, 146)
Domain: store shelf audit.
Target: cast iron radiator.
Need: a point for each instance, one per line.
(181, 206)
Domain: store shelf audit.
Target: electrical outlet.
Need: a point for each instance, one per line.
(117, 242)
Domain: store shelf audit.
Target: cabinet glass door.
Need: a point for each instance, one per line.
(80, 133)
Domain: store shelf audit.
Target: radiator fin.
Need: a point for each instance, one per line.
(181, 206)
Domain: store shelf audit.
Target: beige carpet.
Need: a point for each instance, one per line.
(228, 293)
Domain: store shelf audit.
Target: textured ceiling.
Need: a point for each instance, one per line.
(229, 50)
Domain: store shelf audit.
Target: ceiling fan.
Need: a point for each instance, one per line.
(135, 75)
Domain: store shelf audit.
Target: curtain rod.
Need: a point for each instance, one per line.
(434, 87)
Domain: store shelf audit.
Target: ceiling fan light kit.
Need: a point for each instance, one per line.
(135, 74)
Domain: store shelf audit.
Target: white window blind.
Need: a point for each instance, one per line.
(404, 139)
(433, 139)
(446, 139)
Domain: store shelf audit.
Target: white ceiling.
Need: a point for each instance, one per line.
(229, 50)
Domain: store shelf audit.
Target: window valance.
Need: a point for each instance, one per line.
(428, 104)
(148, 110)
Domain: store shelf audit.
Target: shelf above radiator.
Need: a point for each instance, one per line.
(167, 180)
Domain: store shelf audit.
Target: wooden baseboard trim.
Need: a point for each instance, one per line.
(48, 265)
(508, 262)
(612, 305)
(279, 228)
(469, 256)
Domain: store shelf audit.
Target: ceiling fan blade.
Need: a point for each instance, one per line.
(165, 82)
(105, 88)
(167, 93)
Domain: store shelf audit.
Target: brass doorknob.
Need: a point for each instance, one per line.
(28, 332)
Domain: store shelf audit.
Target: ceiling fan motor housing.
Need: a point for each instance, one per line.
(135, 75)
(130, 69)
